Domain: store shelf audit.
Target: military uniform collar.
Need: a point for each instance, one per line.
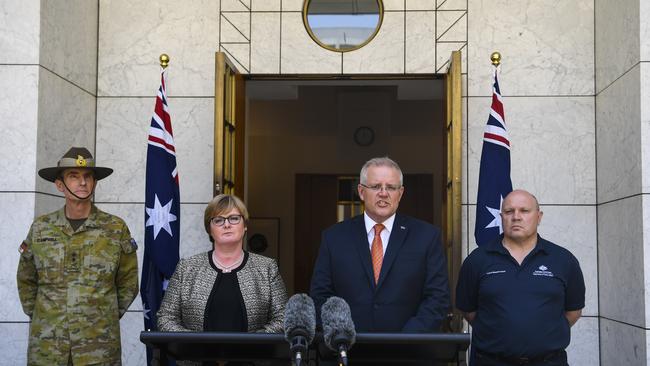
(62, 221)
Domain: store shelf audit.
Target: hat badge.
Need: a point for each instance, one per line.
(80, 161)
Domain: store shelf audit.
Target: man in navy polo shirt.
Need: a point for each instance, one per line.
(520, 293)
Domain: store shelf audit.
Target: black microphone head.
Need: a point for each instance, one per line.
(300, 318)
(338, 326)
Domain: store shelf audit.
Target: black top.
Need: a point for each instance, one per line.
(225, 310)
(520, 308)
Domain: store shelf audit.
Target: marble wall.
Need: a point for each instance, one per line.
(48, 73)
(622, 52)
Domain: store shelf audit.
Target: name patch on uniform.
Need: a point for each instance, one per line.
(495, 272)
(543, 271)
(23, 248)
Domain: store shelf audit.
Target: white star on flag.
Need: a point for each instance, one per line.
(496, 212)
(160, 217)
(146, 312)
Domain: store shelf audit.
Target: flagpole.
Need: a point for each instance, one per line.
(164, 60)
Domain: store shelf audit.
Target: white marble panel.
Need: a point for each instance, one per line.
(265, 43)
(584, 347)
(420, 5)
(644, 33)
(421, 42)
(15, 227)
(133, 34)
(384, 54)
(235, 27)
(451, 26)
(574, 228)
(622, 344)
(235, 5)
(291, 5)
(19, 116)
(46, 203)
(194, 239)
(122, 130)
(69, 40)
(646, 255)
(19, 32)
(645, 125)
(619, 135)
(547, 47)
(621, 261)
(451, 4)
(265, 5)
(66, 118)
(134, 352)
(13, 348)
(617, 39)
(552, 146)
(300, 54)
(392, 5)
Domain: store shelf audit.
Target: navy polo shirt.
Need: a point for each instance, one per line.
(520, 308)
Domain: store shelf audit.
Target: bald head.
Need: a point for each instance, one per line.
(521, 193)
(520, 216)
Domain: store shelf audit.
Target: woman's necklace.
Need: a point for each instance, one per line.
(227, 269)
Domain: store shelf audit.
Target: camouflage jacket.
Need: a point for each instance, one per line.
(75, 286)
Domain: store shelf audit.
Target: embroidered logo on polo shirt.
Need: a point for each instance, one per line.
(543, 271)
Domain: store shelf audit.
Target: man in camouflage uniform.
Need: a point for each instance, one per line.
(78, 272)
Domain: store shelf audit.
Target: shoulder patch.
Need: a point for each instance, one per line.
(23, 248)
(134, 245)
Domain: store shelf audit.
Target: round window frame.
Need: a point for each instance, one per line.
(305, 22)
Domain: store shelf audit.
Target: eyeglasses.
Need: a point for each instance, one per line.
(378, 187)
(220, 220)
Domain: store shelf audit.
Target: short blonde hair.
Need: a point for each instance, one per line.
(221, 204)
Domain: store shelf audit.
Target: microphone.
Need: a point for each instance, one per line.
(338, 327)
(299, 325)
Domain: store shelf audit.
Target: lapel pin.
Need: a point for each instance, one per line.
(402, 227)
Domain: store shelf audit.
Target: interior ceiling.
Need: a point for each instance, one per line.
(432, 89)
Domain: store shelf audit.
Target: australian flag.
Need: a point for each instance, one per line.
(494, 178)
(162, 212)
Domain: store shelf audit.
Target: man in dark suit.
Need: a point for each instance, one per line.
(390, 268)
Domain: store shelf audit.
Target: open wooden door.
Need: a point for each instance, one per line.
(452, 200)
(229, 124)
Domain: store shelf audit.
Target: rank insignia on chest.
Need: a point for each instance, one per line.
(23, 248)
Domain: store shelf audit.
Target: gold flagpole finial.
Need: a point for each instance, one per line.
(496, 58)
(164, 60)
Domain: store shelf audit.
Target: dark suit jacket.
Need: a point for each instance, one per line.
(412, 294)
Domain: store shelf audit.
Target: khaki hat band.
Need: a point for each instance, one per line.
(79, 162)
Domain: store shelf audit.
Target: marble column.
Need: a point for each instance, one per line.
(48, 73)
(623, 152)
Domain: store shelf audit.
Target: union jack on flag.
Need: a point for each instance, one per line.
(494, 177)
(162, 211)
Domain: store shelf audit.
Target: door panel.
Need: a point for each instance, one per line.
(229, 125)
(452, 204)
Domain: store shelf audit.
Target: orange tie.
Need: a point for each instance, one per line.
(377, 251)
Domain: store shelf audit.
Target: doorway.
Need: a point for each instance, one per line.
(301, 135)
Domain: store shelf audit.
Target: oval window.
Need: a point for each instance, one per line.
(342, 25)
